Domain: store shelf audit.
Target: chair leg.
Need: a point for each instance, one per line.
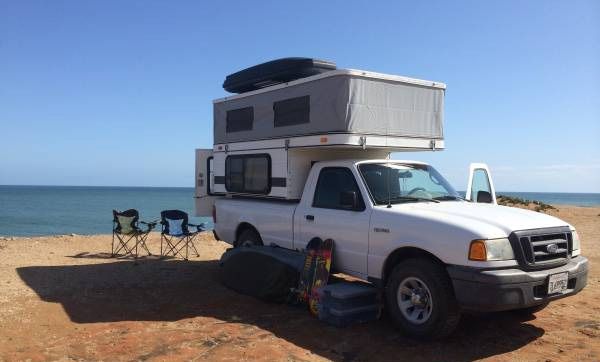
(187, 245)
(129, 250)
(170, 248)
(142, 241)
(194, 247)
(122, 245)
(178, 247)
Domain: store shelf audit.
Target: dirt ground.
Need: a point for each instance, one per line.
(64, 298)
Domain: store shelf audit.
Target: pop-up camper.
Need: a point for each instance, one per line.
(266, 139)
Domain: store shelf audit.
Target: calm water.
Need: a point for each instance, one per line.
(51, 210)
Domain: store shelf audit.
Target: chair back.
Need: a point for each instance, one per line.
(126, 221)
(174, 222)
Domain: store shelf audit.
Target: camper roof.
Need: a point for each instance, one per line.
(338, 72)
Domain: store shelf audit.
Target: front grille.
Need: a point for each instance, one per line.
(542, 248)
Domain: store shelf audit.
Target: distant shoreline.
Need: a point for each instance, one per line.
(191, 188)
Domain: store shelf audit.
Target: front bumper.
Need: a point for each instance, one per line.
(505, 289)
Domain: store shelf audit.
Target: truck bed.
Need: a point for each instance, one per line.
(273, 219)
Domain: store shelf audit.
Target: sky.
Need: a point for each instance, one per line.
(120, 92)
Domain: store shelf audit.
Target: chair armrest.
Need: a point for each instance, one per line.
(199, 227)
(150, 224)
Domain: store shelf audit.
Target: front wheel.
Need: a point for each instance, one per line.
(420, 299)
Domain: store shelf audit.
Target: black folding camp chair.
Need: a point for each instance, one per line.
(176, 234)
(128, 235)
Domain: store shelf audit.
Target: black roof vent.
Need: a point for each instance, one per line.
(275, 72)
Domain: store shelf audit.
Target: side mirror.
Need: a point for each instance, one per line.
(484, 197)
(349, 200)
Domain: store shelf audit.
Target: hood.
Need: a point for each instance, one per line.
(486, 220)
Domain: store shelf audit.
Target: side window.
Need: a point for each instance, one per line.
(240, 119)
(480, 183)
(289, 112)
(333, 182)
(248, 174)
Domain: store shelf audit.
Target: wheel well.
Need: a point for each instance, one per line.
(243, 227)
(405, 253)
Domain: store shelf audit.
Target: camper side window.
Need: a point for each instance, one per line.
(248, 173)
(240, 119)
(289, 112)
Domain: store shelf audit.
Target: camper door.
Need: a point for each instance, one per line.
(205, 182)
(480, 187)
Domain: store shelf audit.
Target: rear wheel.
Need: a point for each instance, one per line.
(420, 299)
(248, 237)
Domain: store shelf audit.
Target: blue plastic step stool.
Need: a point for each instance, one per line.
(346, 303)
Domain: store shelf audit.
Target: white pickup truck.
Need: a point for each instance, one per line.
(401, 226)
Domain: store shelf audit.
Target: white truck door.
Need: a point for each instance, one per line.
(336, 210)
(480, 187)
(204, 182)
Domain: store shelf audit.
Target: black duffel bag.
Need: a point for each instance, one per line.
(256, 272)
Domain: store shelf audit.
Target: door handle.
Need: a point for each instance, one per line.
(309, 217)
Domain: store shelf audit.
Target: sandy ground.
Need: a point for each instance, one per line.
(64, 298)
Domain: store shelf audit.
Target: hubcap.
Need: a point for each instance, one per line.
(414, 300)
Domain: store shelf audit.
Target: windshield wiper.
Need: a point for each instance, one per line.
(412, 198)
(449, 197)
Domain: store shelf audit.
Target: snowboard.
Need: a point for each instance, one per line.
(323, 259)
(308, 272)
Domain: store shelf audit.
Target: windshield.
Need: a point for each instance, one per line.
(399, 182)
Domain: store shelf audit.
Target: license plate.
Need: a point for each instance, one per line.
(558, 283)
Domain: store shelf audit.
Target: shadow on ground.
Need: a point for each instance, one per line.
(171, 290)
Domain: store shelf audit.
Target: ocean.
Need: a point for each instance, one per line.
(57, 210)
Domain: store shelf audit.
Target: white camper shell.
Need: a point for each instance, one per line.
(265, 141)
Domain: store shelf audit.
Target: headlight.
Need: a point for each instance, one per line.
(576, 241)
(494, 249)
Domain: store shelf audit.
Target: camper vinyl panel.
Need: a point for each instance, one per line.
(294, 165)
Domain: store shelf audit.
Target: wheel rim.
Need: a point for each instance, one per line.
(414, 300)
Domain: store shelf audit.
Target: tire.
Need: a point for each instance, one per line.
(530, 310)
(248, 237)
(434, 313)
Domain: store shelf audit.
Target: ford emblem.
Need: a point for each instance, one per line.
(552, 248)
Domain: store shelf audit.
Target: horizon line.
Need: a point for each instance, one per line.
(191, 187)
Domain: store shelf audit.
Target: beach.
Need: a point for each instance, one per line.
(65, 298)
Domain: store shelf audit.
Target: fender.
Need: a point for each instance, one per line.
(405, 251)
